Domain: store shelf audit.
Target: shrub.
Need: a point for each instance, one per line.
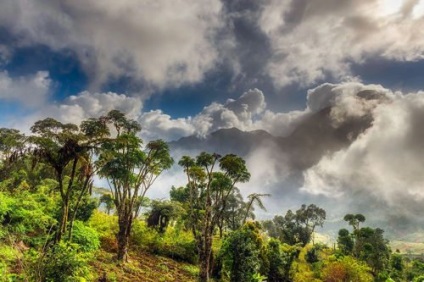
(241, 254)
(106, 226)
(63, 262)
(85, 236)
(347, 269)
(279, 259)
(174, 243)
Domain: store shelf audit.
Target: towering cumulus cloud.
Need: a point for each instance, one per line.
(384, 164)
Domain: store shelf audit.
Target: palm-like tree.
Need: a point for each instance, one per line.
(254, 198)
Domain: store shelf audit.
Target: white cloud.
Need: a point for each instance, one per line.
(31, 91)
(386, 161)
(311, 39)
(158, 125)
(165, 43)
(169, 43)
(240, 113)
(77, 108)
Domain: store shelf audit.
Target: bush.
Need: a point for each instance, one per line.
(175, 243)
(347, 269)
(85, 236)
(241, 254)
(312, 255)
(106, 226)
(63, 262)
(279, 259)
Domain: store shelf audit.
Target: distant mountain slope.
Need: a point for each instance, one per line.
(314, 137)
(317, 135)
(225, 141)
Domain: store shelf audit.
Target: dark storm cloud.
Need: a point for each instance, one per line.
(251, 49)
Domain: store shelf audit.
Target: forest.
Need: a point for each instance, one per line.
(56, 225)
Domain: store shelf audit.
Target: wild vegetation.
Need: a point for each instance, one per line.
(55, 226)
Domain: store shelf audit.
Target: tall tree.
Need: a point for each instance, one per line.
(354, 220)
(130, 171)
(210, 189)
(66, 149)
(11, 146)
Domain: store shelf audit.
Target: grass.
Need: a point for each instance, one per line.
(143, 266)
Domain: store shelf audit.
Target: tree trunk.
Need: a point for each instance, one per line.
(204, 267)
(205, 255)
(123, 236)
(63, 221)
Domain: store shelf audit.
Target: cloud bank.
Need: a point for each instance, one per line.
(164, 44)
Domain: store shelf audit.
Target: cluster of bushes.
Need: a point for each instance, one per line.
(28, 220)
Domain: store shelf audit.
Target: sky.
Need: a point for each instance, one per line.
(191, 67)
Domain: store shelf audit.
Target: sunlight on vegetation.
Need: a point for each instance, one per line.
(53, 228)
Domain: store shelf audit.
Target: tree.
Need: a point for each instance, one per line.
(279, 260)
(233, 214)
(354, 220)
(345, 242)
(296, 227)
(209, 193)
(68, 151)
(130, 171)
(161, 213)
(108, 201)
(11, 140)
(254, 198)
(367, 244)
(241, 253)
(372, 248)
(12, 143)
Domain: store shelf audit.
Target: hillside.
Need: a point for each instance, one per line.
(143, 266)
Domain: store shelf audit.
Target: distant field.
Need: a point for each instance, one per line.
(410, 244)
(407, 247)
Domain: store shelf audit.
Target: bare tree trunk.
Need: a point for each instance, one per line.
(204, 257)
(63, 221)
(123, 238)
(125, 220)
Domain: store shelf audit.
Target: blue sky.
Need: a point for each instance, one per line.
(190, 67)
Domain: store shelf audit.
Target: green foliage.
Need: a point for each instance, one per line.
(347, 269)
(345, 242)
(312, 255)
(27, 216)
(296, 227)
(106, 226)
(415, 271)
(130, 169)
(180, 194)
(86, 237)
(86, 208)
(371, 247)
(161, 212)
(397, 267)
(63, 262)
(279, 258)
(107, 200)
(241, 254)
(174, 243)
